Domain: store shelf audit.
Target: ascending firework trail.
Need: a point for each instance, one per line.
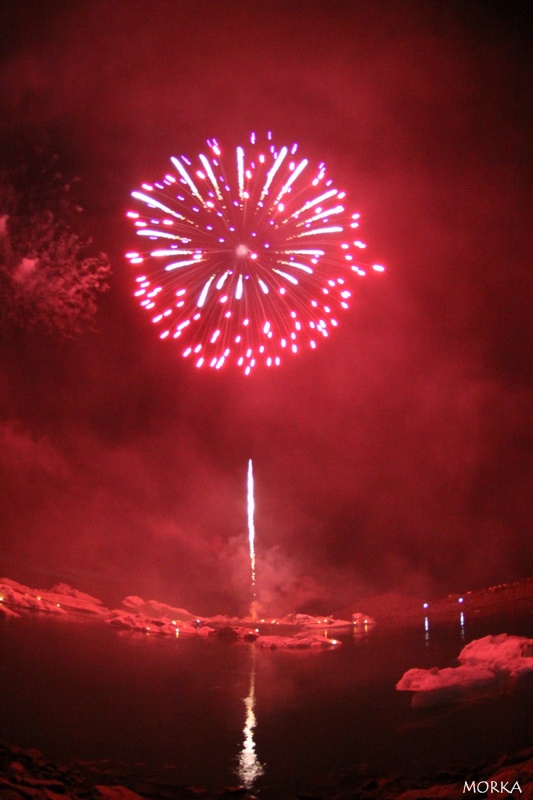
(251, 527)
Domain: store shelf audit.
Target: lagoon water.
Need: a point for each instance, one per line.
(204, 712)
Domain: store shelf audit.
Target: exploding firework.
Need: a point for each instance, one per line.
(245, 262)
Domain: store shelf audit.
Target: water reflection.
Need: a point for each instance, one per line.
(250, 768)
(461, 624)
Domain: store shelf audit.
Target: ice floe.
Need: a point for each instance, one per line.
(485, 664)
(300, 641)
(153, 617)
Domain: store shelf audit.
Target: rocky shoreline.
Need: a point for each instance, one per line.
(26, 774)
(394, 610)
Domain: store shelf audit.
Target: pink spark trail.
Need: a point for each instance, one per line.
(248, 263)
(251, 528)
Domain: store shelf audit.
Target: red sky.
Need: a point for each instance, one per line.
(398, 455)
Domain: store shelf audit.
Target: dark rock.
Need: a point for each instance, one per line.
(522, 755)
(33, 754)
(22, 791)
(115, 793)
(42, 783)
(7, 786)
(9, 794)
(227, 634)
(446, 777)
(168, 793)
(447, 792)
(144, 787)
(118, 623)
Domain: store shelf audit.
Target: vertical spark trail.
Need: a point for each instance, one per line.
(251, 529)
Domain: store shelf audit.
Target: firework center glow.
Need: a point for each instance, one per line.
(251, 529)
(241, 251)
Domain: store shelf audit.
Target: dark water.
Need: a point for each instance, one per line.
(79, 690)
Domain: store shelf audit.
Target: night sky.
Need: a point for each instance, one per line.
(397, 456)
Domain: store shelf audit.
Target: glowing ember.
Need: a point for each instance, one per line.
(245, 264)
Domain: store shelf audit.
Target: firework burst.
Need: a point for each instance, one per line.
(248, 261)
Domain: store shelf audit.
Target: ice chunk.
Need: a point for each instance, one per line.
(301, 641)
(486, 663)
(155, 609)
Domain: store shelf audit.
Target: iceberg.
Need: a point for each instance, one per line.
(489, 663)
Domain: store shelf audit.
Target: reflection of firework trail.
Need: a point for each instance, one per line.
(250, 768)
(251, 529)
